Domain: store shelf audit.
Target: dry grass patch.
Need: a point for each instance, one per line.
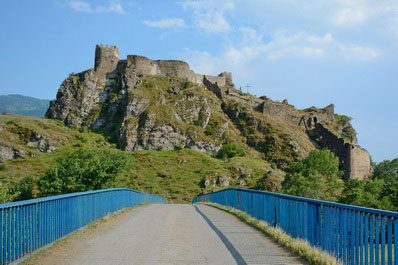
(315, 256)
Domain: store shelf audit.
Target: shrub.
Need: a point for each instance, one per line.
(230, 150)
(81, 170)
(23, 190)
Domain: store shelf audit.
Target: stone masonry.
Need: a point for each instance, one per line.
(107, 61)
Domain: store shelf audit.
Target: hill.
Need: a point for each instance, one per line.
(177, 175)
(144, 104)
(23, 105)
(185, 133)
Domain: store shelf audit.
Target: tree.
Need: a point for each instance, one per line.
(387, 170)
(316, 176)
(81, 170)
(366, 194)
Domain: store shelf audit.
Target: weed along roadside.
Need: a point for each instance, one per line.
(300, 247)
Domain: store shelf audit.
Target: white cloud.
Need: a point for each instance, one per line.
(209, 16)
(166, 23)
(359, 53)
(283, 45)
(82, 6)
(351, 16)
(250, 35)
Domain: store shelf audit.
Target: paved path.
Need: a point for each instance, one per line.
(174, 234)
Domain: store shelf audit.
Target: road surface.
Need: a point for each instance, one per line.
(171, 234)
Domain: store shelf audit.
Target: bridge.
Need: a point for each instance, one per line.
(193, 234)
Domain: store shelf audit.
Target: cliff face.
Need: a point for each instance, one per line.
(142, 104)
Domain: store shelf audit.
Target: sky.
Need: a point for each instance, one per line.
(310, 52)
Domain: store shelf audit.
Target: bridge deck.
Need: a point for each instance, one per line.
(172, 234)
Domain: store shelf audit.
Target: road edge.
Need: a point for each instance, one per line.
(313, 255)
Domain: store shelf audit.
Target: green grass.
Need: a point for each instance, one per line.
(177, 176)
(300, 247)
(36, 163)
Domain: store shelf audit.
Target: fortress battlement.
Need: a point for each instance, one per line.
(107, 59)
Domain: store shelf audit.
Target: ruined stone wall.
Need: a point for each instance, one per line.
(360, 163)
(107, 61)
(144, 66)
(354, 160)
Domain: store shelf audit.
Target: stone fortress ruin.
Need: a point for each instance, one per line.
(107, 60)
(80, 92)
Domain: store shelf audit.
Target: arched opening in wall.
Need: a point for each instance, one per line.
(315, 120)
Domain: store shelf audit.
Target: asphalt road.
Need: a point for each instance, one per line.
(173, 234)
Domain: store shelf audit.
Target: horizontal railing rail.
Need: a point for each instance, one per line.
(26, 226)
(353, 234)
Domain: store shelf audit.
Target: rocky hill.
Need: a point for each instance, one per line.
(23, 105)
(143, 104)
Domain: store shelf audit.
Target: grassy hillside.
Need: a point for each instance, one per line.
(23, 105)
(176, 175)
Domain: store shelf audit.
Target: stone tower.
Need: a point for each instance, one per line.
(106, 59)
(228, 78)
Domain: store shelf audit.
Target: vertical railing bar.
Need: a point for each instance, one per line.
(389, 241)
(366, 238)
(395, 241)
(377, 236)
(372, 239)
(383, 240)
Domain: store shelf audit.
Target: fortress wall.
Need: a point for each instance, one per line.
(228, 78)
(145, 66)
(142, 65)
(107, 61)
(360, 161)
(218, 80)
(176, 68)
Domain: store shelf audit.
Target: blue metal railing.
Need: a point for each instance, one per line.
(354, 235)
(29, 225)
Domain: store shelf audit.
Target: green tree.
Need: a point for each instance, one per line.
(387, 170)
(367, 194)
(316, 176)
(81, 170)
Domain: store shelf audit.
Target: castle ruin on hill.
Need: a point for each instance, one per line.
(107, 60)
(80, 97)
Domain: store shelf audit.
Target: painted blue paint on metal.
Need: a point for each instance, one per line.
(389, 240)
(355, 235)
(383, 240)
(395, 241)
(28, 225)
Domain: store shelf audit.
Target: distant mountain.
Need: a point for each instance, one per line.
(23, 105)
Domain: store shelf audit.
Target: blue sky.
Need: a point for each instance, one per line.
(312, 53)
